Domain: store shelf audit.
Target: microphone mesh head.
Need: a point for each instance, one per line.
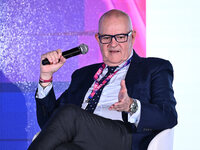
(84, 48)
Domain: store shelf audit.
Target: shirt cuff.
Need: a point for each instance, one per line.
(43, 92)
(135, 118)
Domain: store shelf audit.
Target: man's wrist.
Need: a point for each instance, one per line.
(44, 85)
(45, 82)
(133, 106)
(41, 80)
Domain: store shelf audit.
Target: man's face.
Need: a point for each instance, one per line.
(115, 53)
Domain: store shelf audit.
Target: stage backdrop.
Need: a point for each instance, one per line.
(29, 28)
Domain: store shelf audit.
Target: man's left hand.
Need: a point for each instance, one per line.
(124, 101)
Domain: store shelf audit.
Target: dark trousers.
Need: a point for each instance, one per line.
(71, 128)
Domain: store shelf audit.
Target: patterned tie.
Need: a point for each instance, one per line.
(92, 104)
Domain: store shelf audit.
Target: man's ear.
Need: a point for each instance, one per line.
(133, 36)
(97, 38)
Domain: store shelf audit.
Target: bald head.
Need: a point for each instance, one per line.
(115, 25)
(117, 14)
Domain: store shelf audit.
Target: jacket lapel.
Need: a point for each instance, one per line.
(131, 79)
(132, 74)
(88, 82)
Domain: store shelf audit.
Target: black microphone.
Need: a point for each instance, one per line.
(81, 49)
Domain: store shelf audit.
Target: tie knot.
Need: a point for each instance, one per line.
(111, 69)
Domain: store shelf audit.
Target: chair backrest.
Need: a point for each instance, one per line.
(35, 136)
(162, 141)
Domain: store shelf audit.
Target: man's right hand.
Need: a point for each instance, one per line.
(56, 61)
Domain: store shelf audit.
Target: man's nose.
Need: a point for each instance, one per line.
(113, 43)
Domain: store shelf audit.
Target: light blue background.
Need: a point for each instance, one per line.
(173, 33)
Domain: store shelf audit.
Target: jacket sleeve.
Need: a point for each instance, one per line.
(47, 105)
(159, 113)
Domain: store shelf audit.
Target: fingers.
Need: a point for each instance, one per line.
(54, 56)
(123, 86)
(62, 60)
(123, 91)
(116, 106)
(123, 99)
(56, 61)
(121, 106)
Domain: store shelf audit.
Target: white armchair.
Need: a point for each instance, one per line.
(35, 136)
(162, 141)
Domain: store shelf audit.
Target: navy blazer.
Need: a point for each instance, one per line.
(148, 80)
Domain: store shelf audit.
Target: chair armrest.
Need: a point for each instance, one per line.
(35, 136)
(162, 141)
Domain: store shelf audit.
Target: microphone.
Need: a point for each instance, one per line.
(81, 49)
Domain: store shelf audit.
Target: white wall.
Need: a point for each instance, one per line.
(173, 33)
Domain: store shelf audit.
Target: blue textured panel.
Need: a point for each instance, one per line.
(29, 28)
(14, 145)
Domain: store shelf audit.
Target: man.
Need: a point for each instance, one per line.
(125, 101)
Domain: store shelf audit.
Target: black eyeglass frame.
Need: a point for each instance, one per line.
(114, 36)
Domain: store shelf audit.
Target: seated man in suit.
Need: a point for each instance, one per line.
(120, 104)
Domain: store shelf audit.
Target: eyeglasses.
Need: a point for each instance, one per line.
(120, 38)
